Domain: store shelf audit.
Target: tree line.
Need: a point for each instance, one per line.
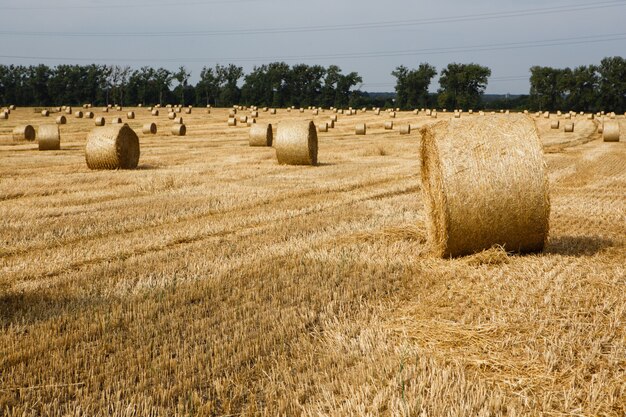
(585, 88)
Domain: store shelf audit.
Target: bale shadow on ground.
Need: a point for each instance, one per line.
(578, 245)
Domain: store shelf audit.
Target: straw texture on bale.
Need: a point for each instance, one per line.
(232, 121)
(112, 147)
(49, 138)
(331, 124)
(610, 132)
(89, 115)
(243, 119)
(388, 125)
(392, 114)
(171, 115)
(26, 132)
(484, 184)
(78, 114)
(4, 115)
(405, 129)
(105, 109)
(254, 113)
(179, 130)
(272, 111)
(12, 107)
(361, 129)
(100, 121)
(178, 120)
(116, 120)
(149, 129)
(130, 115)
(251, 121)
(261, 135)
(322, 127)
(61, 120)
(68, 110)
(554, 124)
(568, 127)
(155, 112)
(187, 110)
(296, 143)
(45, 113)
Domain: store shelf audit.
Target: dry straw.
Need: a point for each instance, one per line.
(188, 110)
(155, 112)
(322, 127)
(171, 115)
(100, 121)
(105, 109)
(149, 129)
(4, 115)
(89, 115)
(610, 132)
(130, 115)
(568, 127)
(232, 121)
(179, 130)
(261, 135)
(555, 124)
(68, 110)
(116, 120)
(12, 107)
(272, 111)
(45, 113)
(388, 125)
(254, 113)
(361, 129)
(251, 121)
(178, 120)
(484, 184)
(405, 129)
(49, 138)
(112, 147)
(296, 143)
(26, 132)
(601, 127)
(331, 124)
(392, 114)
(61, 120)
(243, 119)
(78, 114)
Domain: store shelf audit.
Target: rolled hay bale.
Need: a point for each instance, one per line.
(89, 115)
(25, 132)
(171, 115)
(554, 124)
(116, 120)
(322, 127)
(12, 107)
(4, 115)
(470, 111)
(112, 147)
(178, 120)
(208, 111)
(100, 121)
(155, 112)
(301, 110)
(568, 127)
(388, 125)
(243, 119)
(377, 112)
(481, 113)
(457, 115)
(296, 143)
(179, 130)
(331, 124)
(484, 184)
(59, 109)
(315, 112)
(254, 113)
(361, 129)
(612, 115)
(78, 114)
(119, 108)
(601, 127)
(288, 109)
(333, 118)
(139, 105)
(251, 121)
(610, 132)
(272, 111)
(49, 138)
(130, 115)
(429, 112)
(261, 135)
(61, 120)
(232, 112)
(105, 110)
(392, 114)
(405, 129)
(68, 110)
(232, 121)
(567, 116)
(188, 110)
(433, 115)
(149, 129)
(546, 115)
(45, 113)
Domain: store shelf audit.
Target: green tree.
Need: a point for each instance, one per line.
(612, 94)
(548, 87)
(462, 85)
(412, 85)
(582, 89)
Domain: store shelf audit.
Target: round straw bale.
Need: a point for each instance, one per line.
(296, 143)
(68, 110)
(261, 135)
(89, 115)
(405, 129)
(12, 107)
(155, 112)
(119, 108)
(546, 115)
(178, 120)
(567, 116)
(388, 125)
(568, 127)
(243, 119)
(139, 105)
(333, 117)
(208, 111)
(377, 112)
(301, 110)
(484, 184)
(433, 114)
(130, 115)
(590, 116)
(232, 112)
(45, 113)
(25, 132)
(322, 127)
(331, 124)
(392, 114)
(49, 138)
(272, 111)
(59, 109)
(4, 115)
(232, 121)
(554, 124)
(179, 130)
(61, 120)
(188, 110)
(254, 113)
(149, 129)
(171, 115)
(457, 115)
(610, 132)
(105, 109)
(361, 129)
(100, 121)
(78, 114)
(429, 112)
(251, 121)
(112, 147)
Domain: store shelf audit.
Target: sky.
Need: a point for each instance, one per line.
(366, 36)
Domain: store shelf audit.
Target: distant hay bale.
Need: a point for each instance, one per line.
(78, 114)
(208, 111)
(243, 119)
(429, 112)
(315, 112)
(232, 121)
(68, 110)
(546, 115)
(178, 120)
(254, 113)
(117, 120)
(25, 132)
(272, 111)
(405, 129)
(333, 117)
(610, 132)
(567, 116)
(590, 117)
(155, 112)
(261, 135)
(112, 147)
(59, 109)
(361, 129)
(433, 115)
(601, 127)
(232, 112)
(188, 110)
(484, 184)
(45, 113)
(100, 121)
(457, 115)
(49, 138)
(331, 124)
(322, 127)
(568, 127)
(61, 120)
(388, 125)
(171, 115)
(4, 115)
(139, 105)
(130, 115)
(179, 130)
(296, 143)
(392, 114)
(119, 108)
(554, 124)
(89, 115)
(105, 109)
(301, 110)
(377, 112)
(149, 129)
(12, 107)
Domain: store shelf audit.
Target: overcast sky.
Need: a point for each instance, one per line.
(366, 36)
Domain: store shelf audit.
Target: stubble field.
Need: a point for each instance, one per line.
(213, 281)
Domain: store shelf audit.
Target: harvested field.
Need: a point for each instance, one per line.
(213, 281)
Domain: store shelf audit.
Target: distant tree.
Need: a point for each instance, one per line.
(462, 85)
(412, 85)
(182, 76)
(548, 87)
(582, 89)
(228, 76)
(612, 88)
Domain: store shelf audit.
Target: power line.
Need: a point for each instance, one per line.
(128, 5)
(326, 28)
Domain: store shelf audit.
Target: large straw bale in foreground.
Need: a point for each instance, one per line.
(49, 138)
(296, 143)
(261, 135)
(610, 132)
(484, 184)
(112, 147)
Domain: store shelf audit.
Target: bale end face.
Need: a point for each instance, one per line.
(361, 129)
(49, 138)
(112, 147)
(149, 129)
(296, 143)
(26, 132)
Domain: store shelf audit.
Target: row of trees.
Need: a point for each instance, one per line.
(584, 88)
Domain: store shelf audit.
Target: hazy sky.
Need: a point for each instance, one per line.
(370, 37)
